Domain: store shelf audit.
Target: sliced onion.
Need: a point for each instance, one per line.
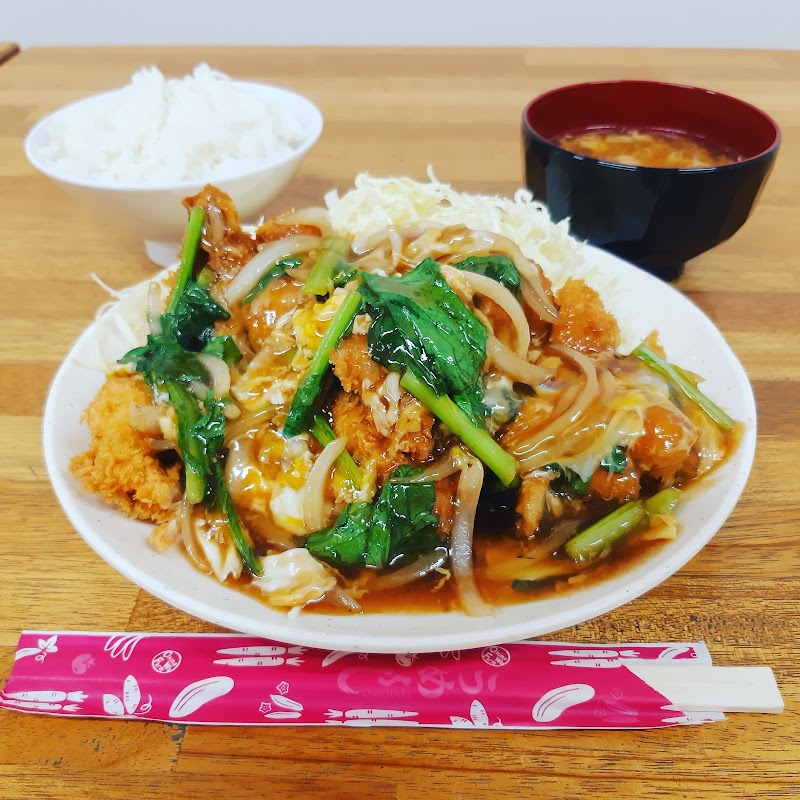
(528, 451)
(146, 418)
(188, 537)
(518, 369)
(478, 241)
(314, 506)
(453, 462)
(344, 598)
(469, 489)
(417, 569)
(498, 294)
(315, 215)
(252, 271)
(218, 372)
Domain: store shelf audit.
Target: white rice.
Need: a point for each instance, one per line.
(158, 130)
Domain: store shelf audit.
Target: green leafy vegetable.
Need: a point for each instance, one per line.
(240, 539)
(191, 242)
(616, 460)
(680, 380)
(329, 266)
(323, 433)
(594, 540)
(400, 523)
(192, 320)
(162, 359)
(223, 347)
(301, 413)
(476, 438)
(567, 481)
(275, 271)
(497, 267)
(168, 361)
(420, 325)
(404, 517)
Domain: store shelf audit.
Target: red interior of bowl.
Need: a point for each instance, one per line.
(700, 113)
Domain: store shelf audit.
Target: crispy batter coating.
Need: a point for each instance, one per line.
(273, 229)
(353, 366)
(119, 464)
(587, 326)
(530, 505)
(411, 440)
(229, 248)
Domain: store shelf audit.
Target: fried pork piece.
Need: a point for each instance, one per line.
(446, 502)
(587, 326)
(411, 440)
(274, 229)
(353, 366)
(229, 248)
(402, 435)
(530, 504)
(119, 464)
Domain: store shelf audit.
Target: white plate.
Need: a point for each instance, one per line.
(690, 339)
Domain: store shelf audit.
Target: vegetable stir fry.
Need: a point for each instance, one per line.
(407, 417)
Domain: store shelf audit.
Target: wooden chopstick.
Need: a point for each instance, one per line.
(712, 689)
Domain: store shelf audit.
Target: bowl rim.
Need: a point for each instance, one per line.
(765, 153)
(313, 135)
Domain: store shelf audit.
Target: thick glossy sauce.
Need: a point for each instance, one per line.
(647, 148)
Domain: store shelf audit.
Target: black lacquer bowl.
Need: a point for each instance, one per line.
(656, 217)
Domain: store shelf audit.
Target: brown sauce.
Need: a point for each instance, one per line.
(647, 148)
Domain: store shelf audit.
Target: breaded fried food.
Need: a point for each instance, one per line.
(229, 248)
(353, 366)
(587, 326)
(411, 440)
(119, 464)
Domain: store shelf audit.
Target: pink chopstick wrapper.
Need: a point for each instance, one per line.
(232, 679)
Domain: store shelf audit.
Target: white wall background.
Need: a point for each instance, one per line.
(628, 23)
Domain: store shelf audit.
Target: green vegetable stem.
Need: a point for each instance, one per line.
(593, 541)
(477, 439)
(323, 433)
(681, 381)
(301, 413)
(329, 264)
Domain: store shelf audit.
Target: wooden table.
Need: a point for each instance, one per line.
(394, 112)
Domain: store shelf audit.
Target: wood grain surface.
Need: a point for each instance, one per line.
(394, 112)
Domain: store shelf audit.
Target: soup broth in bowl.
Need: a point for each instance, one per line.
(648, 147)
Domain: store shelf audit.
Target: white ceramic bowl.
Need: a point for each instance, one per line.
(154, 210)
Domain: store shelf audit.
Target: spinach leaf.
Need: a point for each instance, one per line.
(192, 321)
(497, 267)
(616, 460)
(567, 481)
(420, 325)
(162, 359)
(223, 347)
(400, 523)
(403, 522)
(275, 271)
(345, 542)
